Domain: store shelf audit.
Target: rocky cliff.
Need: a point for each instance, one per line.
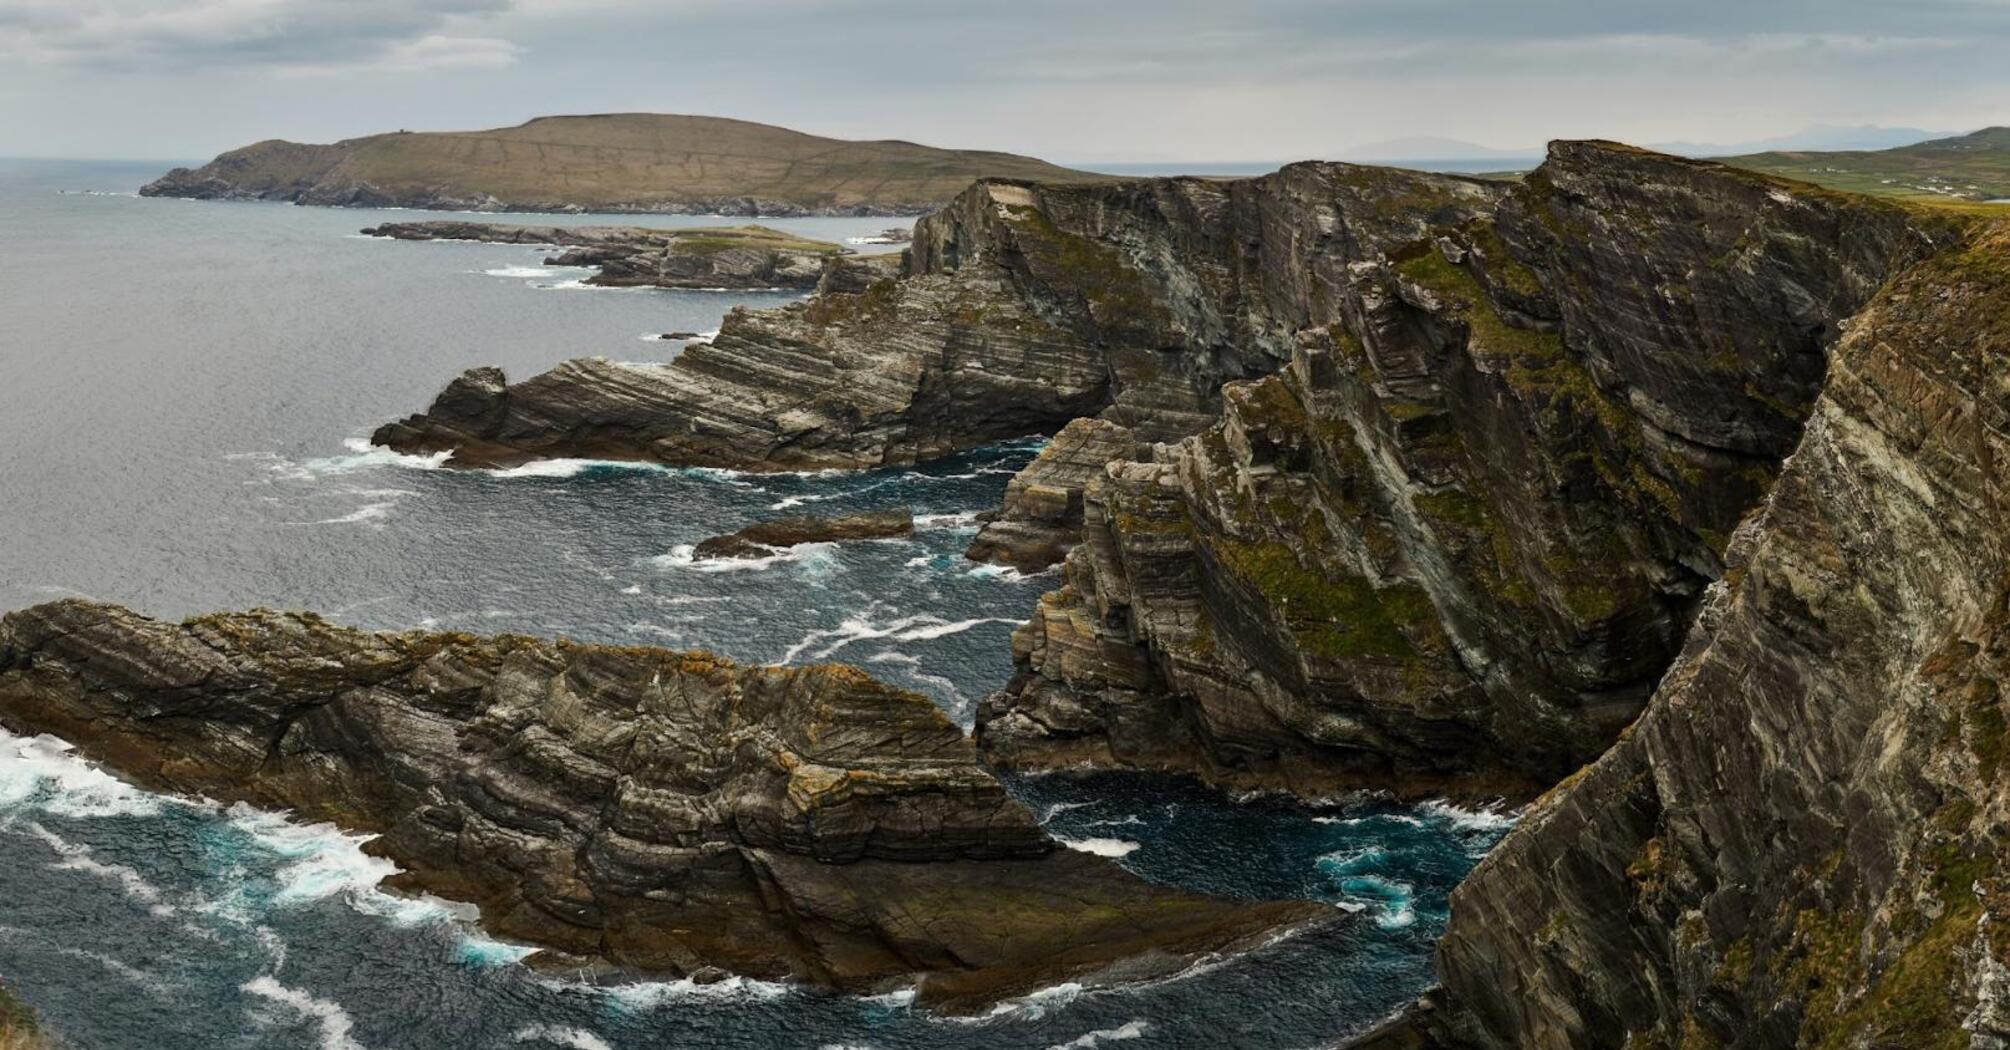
(639, 256)
(609, 162)
(1455, 544)
(661, 810)
(1019, 307)
(1800, 842)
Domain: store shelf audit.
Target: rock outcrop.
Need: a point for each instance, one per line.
(1454, 545)
(661, 810)
(765, 537)
(1019, 308)
(19, 1028)
(1041, 518)
(739, 257)
(1802, 840)
(609, 162)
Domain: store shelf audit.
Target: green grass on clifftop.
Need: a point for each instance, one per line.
(1973, 167)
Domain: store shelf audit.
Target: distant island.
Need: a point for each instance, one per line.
(621, 162)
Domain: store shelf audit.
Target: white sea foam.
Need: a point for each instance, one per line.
(334, 1022)
(1006, 573)
(78, 857)
(362, 456)
(1089, 1040)
(919, 561)
(1488, 818)
(861, 627)
(319, 861)
(961, 520)
(1035, 1005)
(1101, 847)
(567, 468)
(44, 774)
(527, 271)
(684, 556)
(650, 995)
(577, 1038)
(888, 656)
(371, 514)
(1061, 807)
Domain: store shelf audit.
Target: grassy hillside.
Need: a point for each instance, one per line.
(632, 160)
(1967, 167)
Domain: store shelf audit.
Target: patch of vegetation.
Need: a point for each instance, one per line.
(1344, 619)
(712, 239)
(879, 301)
(1965, 168)
(1116, 293)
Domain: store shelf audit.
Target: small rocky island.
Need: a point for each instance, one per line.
(655, 810)
(766, 537)
(707, 257)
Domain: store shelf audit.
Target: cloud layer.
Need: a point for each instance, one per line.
(289, 35)
(1073, 80)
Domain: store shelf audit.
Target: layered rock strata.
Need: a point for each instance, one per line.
(1802, 841)
(1454, 545)
(1041, 517)
(737, 257)
(766, 537)
(660, 810)
(1019, 308)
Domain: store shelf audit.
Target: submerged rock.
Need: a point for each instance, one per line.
(661, 810)
(1016, 309)
(1801, 842)
(740, 257)
(765, 537)
(19, 1028)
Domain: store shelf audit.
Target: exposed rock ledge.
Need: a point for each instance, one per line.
(739, 257)
(661, 810)
(767, 536)
(1802, 842)
(1019, 308)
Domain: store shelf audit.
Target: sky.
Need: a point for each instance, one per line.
(1135, 81)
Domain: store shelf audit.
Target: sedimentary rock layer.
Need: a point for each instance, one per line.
(1020, 307)
(610, 162)
(1802, 841)
(1041, 517)
(661, 810)
(1455, 544)
(638, 256)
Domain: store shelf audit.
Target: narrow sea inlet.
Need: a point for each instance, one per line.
(187, 388)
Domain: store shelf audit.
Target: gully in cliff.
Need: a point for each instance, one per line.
(655, 810)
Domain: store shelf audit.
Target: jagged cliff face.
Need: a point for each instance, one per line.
(1020, 308)
(661, 810)
(1800, 841)
(1457, 541)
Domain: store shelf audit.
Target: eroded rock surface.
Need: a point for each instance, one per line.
(765, 537)
(1802, 841)
(1042, 513)
(661, 810)
(1454, 545)
(1020, 307)
(741, 257)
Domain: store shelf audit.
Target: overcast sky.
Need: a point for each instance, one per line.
(1071, 80)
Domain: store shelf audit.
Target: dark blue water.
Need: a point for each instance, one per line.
(184, 392)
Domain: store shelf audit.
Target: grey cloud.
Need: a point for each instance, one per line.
(137, 34)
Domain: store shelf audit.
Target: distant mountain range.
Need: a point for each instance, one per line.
(623, 162)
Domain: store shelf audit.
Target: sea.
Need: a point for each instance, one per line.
(186, 394)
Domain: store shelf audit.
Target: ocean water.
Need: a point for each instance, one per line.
(185, 392)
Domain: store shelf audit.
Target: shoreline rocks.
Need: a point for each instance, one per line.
(1017, 309)
(1041, 516)
(735, 257)
(766, 537)
(662, 811)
